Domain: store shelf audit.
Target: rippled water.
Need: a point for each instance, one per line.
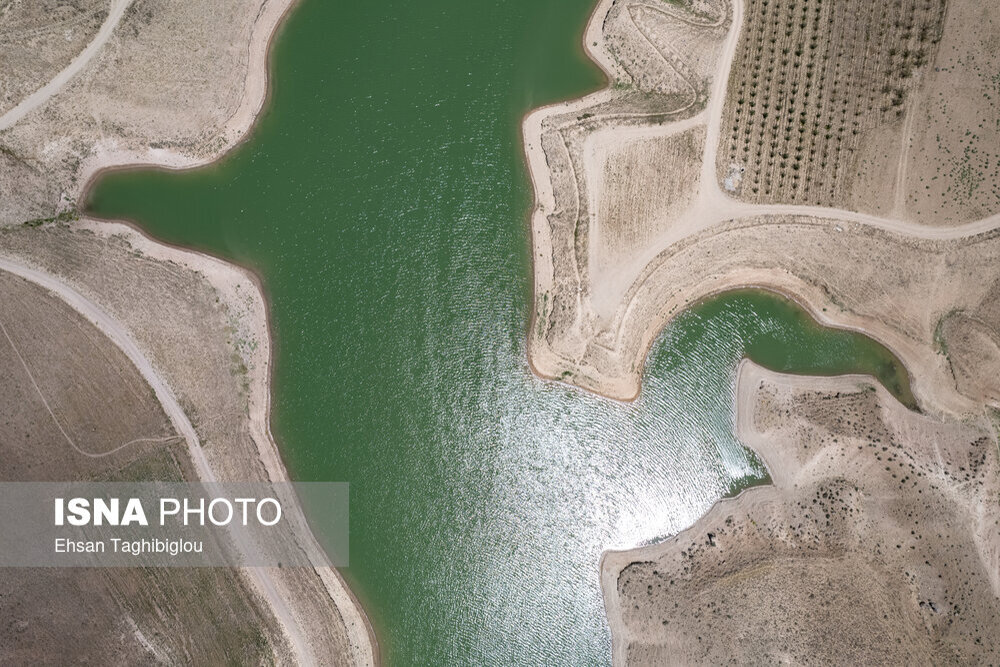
(384, 201)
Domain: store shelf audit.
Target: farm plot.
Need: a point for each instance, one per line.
(812, 81)
(651, 183)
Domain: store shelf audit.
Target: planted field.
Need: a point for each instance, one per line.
(811, 82)
(651, 183)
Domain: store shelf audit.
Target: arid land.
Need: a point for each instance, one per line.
(606, 260)
(76, 408)
(876, 542)
(176, 85)
(645, 203)
(841, 154)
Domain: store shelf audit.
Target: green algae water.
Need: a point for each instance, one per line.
(384, 201)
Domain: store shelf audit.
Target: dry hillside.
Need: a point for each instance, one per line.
(878, 542)
(75, 408)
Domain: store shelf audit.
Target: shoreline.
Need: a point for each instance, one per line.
(536, 192)
(773, 290)
(543, 252)
(604, 351)
(535, 162)
(256, 96)
(784, 470)
(911, 354)
(748, 376)
(607, 356)
(543, 195)
(270, 21)
(818, 317)
(613, 560)
(224, 276)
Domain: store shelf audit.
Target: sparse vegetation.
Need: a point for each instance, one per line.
(68, 215)
(862, 550)
(940, 341)
(812, 78)
(201, 615)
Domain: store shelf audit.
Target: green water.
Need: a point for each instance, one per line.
(383, 200)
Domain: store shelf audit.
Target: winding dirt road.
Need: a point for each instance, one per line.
(712, 206)
(42, 95)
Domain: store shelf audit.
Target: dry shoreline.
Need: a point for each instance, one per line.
(257, 93)
(224, 275)
(596, 310)
(922, 365)
(543, 196)
(769, 526)
(612, 561)
(537, 195)
(538, 243)
(537, 192)
(592, 327)
(817, 314)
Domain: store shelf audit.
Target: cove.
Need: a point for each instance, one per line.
(383, 200)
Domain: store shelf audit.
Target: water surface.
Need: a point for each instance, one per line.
(383, 199)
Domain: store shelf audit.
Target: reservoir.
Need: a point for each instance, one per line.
(383, 200)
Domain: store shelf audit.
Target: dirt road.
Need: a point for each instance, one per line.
(42, 95)
(713, 206)
(124, 341)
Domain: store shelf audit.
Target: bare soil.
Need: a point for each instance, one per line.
(176, 84)
(626, 233)
(72, 404)
(631, 213)
(877, 542)
(616, 258)
(812, 83)
(953, 170)
(38, 38)
(172, 302)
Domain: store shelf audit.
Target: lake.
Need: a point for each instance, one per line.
(383, 199)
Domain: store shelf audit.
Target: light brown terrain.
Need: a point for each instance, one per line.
(173, 84)
(172, 302)
(878, 541)
(38, 38)
(804, 257)
(165, 83)
(866, 194)
(607, 261)
(814, 86)
(951, 173)
(75, 408)
(645, 202)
